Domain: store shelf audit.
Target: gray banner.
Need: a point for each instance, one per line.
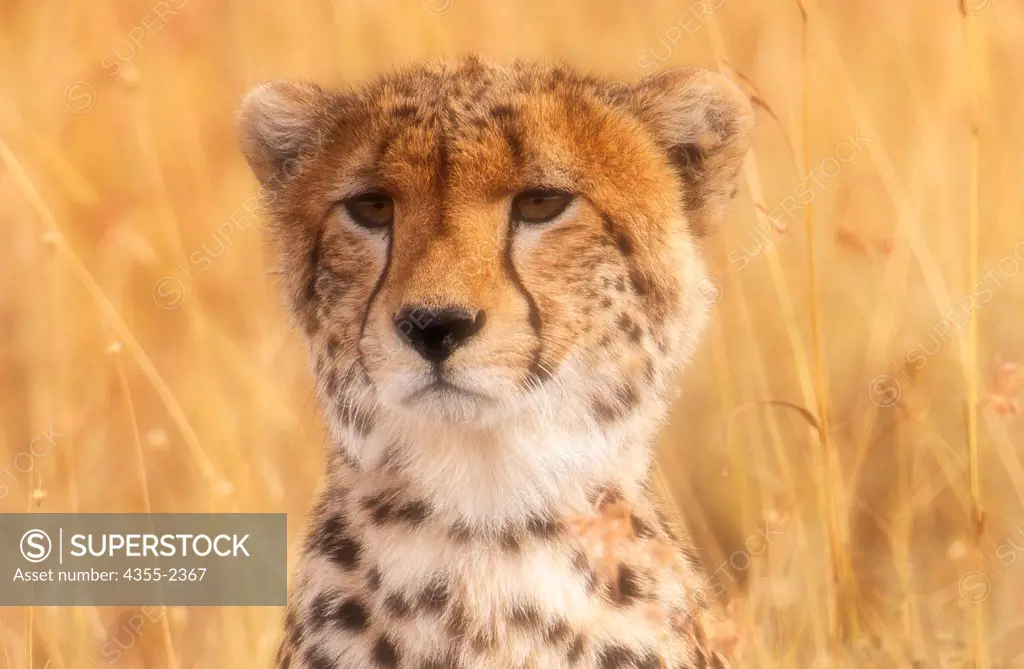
(137, 559)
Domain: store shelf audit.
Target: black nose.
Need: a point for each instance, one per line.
(436, 333)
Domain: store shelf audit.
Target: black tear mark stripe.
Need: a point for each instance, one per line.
(307, 300)
(538, 371)
(369, 305)
(618, 235)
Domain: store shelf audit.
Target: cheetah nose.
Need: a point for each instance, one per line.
(436, 333)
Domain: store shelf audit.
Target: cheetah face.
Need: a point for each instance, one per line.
(463, 241)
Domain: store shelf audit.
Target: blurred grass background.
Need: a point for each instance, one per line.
(140, 334)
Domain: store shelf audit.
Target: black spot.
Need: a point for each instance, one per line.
(373, 579)
(385, 654)
(624, 243)
(629, 326)
(387, 140)
(351, 615)
(332, 540)
(484, 640)
(625, 401)
(607, 413)
(460, 531)
(403, 111)
(502, 112)
(515, 145)
(397, 605)
(617, 656)
(319, 609)
(575, 649)
(317, 658)
(376, 499)
(641, 284)
(558, 631)
(510, 540)
(543, 527)
(436, 594)
(382, 513)
(332, 346)
(412, 512)
(627, 397)
(525, 615)
(629, 586)
(640, 528)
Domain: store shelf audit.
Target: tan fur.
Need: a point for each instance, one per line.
(441, 538)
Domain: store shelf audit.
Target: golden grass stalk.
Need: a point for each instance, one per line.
(842, 572)
(140, 465)
(979, 650)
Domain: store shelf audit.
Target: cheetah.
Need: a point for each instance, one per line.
(495, 270)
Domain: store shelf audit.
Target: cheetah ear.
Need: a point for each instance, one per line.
(704, 123)
(276, 122)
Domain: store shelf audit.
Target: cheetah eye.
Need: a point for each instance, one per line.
(539, 206)
(370, 210)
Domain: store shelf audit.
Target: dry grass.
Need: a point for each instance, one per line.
(847, 449)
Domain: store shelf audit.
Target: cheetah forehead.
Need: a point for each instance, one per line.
(472, 129)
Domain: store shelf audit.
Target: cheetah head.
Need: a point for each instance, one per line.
(467, 242)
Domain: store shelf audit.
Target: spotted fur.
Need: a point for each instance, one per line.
(439, 539)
